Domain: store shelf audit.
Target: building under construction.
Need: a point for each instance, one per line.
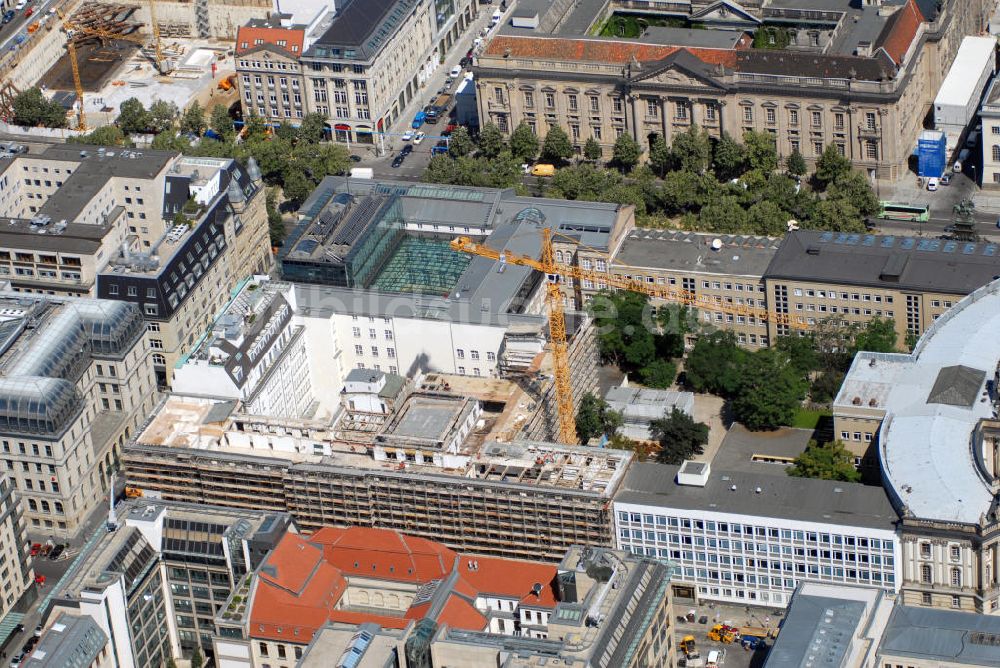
(435, 469)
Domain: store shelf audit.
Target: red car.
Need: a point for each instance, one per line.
(29, 11)
(40, 580)
(35, 549)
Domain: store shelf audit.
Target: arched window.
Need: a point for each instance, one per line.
(159, 359)
(956, 577)
(925, 573)
(996, 153)
(559, 256)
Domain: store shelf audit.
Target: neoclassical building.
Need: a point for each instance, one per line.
(859, 77)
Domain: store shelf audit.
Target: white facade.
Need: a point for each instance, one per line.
(757, 560)
(960, 92)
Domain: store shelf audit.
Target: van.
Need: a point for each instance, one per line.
(962, 157)
(419, 119)
(455, 72)
(543, 170)
(713, 659)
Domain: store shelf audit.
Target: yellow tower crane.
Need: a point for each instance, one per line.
(557, 321)
(162, 65)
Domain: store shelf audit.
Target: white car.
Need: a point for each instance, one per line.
(21, 5)
(419, 137)
(408, 135)
(455, 72)
(932, 183)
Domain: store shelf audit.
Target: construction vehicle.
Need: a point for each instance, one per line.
(557, 322)
(724, 633)
(228, 82)
(690, 650)
(133, 493)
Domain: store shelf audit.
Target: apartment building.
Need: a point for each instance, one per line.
(77, 379)
(861, 78)
(750, 534)
(71, 640)
(255, 352)
(16, 574)
(936, 443)
(446, 608)
(360, 67)
(432, 469)
(216, 236)
(269, 76)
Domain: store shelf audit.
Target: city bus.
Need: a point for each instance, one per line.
(913, 212)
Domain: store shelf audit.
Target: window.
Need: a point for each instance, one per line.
(869, 120)
(595, 103)
(925, 573)
(793, 116)
(769, 112)
(996, 153)
(956, 601)
(263, 649)
(956, 577)
(817, 119)
(156, 344)
(572, 101)
(871, 149)
(460, 354)
(748, 114)
(956, 552)
(474, 354)
(652, 108)
(359, 349)
(550, 100)
(529, 100)
(710, 112)
(995, 130)
(159, 359)
(498, 94)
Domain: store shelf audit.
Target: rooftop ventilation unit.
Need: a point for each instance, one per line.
(693, 474)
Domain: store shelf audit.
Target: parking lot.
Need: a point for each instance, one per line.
(707, 614)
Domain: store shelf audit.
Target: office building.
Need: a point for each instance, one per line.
(861, 78)
(269, 77)
(16, 575)
(254, 352)
(77, 380)
(71, 640)
(751, 534)
(433, 469)
(936, 439)
(212, 234)
(639, 406)
(381, 596)
(154, 584)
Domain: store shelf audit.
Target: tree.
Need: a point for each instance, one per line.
(660, 373)
(729, 158)
(877, 336)
(626, 152)
(196, 659)
(830, 166)
(31, 108)
(624, 329)
(769, 392)
(491, 141)
(132, 117)
(796, 164)
(460, 143)
(825, 387)
(715, 364)
(826, 461)
(761, 151)
(679, 436)
(692, 149)
(275, 224)
(221, 122)
(107, 135)
(726, 214)
(801, 352)
(660, 158)
(854, 188)
(767, 218)
(161, 116)
(557, 147)
(296, 186)
(523, 143)
(312, 129)
(686, 191)
(592, 150)
(193, 119)
(595, 418)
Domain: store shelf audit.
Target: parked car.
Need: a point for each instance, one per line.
(8, 16)
(355, 158)
(17, 660)
(406, 150)
(455, 72)
(398, 161)
(35, 549)
(40, 580)
(946, 180)
(932, 183)
(38, 631)
(29, 11)
(407, 136)
(419, 137)
(56, 551)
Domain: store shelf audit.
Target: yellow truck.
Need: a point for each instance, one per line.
(724, 633)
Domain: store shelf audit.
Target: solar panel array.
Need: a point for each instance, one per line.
(908, 243)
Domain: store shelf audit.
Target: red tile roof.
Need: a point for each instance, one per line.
(300, 585)
(249, 38)
(900, 31)
(592, 50)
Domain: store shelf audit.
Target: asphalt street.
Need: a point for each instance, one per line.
(19, 25)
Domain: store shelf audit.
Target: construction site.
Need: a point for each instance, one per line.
(108, 53)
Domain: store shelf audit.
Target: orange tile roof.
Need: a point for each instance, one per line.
(593, 50)
(900, 31)
(384, 553)
(249, 38)
(512, 578)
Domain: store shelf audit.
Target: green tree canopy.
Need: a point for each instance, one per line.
(796, 164)
(460, 143)
(161, 116)
(660, 157)
(557, 147)
(624, 326)
(31, 108)
(221, 122)
(193, 119)
(659, 373)
(132, 117)
(769, 391)
(312, 129)
(761, 151)
(592, 150)
(729, 158)
(491, 141)
(524, 143)
(626, 152)
(679, 436)
(595, 418)
(715, 364)
(106, 135)
(877, 336)
(275, 225)
(826, 461)
(854, 188)
(692, 150)
(830, 166)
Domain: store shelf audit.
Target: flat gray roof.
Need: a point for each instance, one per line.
(926, 453)
(948, 636)
(820, 628)
(781, 496)
(900, 263)
(739, 255)
(72, 640)
(740, 445)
